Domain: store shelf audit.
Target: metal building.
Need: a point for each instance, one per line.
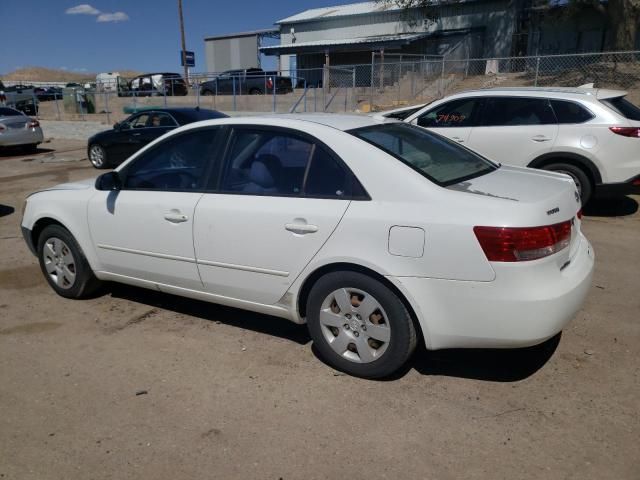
(350, 34)
(235, 51)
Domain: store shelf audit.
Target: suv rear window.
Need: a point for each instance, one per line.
(435, 157)
(624, 107)
(570, 112)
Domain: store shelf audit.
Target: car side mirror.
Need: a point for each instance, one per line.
(116, 126)
(109, 181)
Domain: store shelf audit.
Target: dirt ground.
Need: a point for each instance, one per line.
(135, 384)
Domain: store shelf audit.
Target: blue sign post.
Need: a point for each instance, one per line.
(190, 58)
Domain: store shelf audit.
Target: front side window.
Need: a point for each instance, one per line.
(514, 111)
(179, 163)
(161, 119)
(435, 157)
(457, 113)
(281, 163)
(139, 121)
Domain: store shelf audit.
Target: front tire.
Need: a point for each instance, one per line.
(98, 156)
(581, 179)
(359, 326)
(64, 265)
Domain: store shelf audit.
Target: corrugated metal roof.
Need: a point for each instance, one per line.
(348, 41)
(339, 11)
(262, 31)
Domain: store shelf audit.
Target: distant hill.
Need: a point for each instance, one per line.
(41, 74)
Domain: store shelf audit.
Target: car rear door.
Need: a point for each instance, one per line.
(280, 196)
(145, 230)
(514, 130)
(453, 119)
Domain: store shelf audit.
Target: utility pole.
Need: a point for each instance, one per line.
(184, 47)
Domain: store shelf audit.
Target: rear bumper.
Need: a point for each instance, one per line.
(22, 137)
(521, 307)
(628, 187)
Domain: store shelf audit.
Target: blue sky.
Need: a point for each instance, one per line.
(143, 35)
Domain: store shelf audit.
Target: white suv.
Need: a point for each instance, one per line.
(590, 134)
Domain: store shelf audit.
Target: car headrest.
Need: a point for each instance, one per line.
(265, 170)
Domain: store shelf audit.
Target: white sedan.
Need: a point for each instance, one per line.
(374, 232)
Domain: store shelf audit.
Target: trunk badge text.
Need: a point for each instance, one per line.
(553, 210)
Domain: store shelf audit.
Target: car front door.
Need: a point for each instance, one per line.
(453, 119)
(514, 130)
(159, 123)
(281, 195)
(145, 229)
(128, 138)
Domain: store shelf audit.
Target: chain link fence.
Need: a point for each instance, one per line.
(389, 81)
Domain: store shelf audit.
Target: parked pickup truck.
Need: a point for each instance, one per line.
(252, 81)
(20, 97)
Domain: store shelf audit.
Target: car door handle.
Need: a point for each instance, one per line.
(540, 138)
(301, 228)
(175, 217)
(458, 139)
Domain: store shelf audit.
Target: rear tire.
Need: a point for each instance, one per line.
(98, 156)
(359, 326)
(64, 265)
(579, 176)
(207, 93)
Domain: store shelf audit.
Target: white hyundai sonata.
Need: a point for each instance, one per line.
(373, 232)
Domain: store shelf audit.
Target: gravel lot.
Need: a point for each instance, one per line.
(134, 384)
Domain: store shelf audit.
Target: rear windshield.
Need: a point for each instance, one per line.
(624, 107)
(435, 157)
(9, 112)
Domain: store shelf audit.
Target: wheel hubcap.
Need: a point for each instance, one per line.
(96, 155)
(355, 325)
(59, 263)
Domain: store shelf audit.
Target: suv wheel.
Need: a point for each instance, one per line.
(359, 326)
(581, 179)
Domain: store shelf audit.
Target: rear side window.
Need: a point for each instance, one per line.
(624, 107)
(457, 113)
(281, 163)
(512, 111)
(570, 112)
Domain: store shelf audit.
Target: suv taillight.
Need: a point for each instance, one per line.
(33, 123)
(504, 244)
(269, 83)
(626, 131)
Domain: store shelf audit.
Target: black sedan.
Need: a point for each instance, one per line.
(110, 148)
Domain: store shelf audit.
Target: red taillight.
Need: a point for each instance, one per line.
(626, 131)
(33, 123)
(579, 214)
(269, 83)
(503, 244)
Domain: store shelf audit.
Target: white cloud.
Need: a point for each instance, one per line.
(112, 17)
(82, 9)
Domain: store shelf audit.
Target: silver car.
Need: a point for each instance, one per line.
(19, 130)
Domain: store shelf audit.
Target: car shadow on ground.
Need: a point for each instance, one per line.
(17, 152)
(611, 207)
(496, 365)
(266, 324)
(6, 210)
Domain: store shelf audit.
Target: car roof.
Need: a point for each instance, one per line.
(337, 121)
(552, 92)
